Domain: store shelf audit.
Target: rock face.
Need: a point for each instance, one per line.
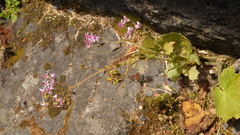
(209, 24)
(53, 42)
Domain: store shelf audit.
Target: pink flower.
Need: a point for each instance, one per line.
(138, 25)
(55, 97)
(42, 92)
(125, 19)
(52, 76)
(90, 39)
(43, 103)
(94, 38)
(45, 75)
(87, 46)
(88, 42)
(86, 36)
(45, 83)
(60, 101)
(120, 24)
(129, 30)
(49, 90)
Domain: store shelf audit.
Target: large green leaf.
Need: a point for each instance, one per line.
(149, 47)
(182, 46)
(227, 95)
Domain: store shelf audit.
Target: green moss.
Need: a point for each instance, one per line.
(47, 66)
(62, 91)
(53, 111)
(48, 20)
(13, 59)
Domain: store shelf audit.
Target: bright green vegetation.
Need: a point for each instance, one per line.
(177, 50)
(226, 95)
(10, 11)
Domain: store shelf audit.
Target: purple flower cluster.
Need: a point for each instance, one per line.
(123, 21)
(129, 29)
(46, 91)
(138, 25)
(58, 102)
(90, 38)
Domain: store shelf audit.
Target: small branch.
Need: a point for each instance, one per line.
(78, 84)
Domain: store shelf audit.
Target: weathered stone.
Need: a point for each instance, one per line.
(96, 103)
(210, 25)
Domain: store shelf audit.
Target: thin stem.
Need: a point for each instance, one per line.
(78, 84)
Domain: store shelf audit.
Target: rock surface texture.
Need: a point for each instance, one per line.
(209, 24)
(53, 42)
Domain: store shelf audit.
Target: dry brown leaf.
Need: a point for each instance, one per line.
(194, 119)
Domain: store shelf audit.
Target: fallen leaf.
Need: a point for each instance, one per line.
(194, 119)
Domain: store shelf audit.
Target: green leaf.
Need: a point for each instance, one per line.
(192, 73)
(174, 74)
(182, 46)
(149, 46)
(173, 71)
(168, 47)
(14, 17)
(226, 95)
(194, 58)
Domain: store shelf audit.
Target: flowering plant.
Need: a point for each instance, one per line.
(46, 92)
(129, 29)
(90, 38)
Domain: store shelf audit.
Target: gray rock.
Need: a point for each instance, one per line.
(96, 103)
(210, 25)
(148, 93)
(114, 45)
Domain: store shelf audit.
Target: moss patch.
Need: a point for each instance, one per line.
(67, 50)
(159, 115)
(60, 89)
(17, 53)
(62, 79)
(47, 66)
